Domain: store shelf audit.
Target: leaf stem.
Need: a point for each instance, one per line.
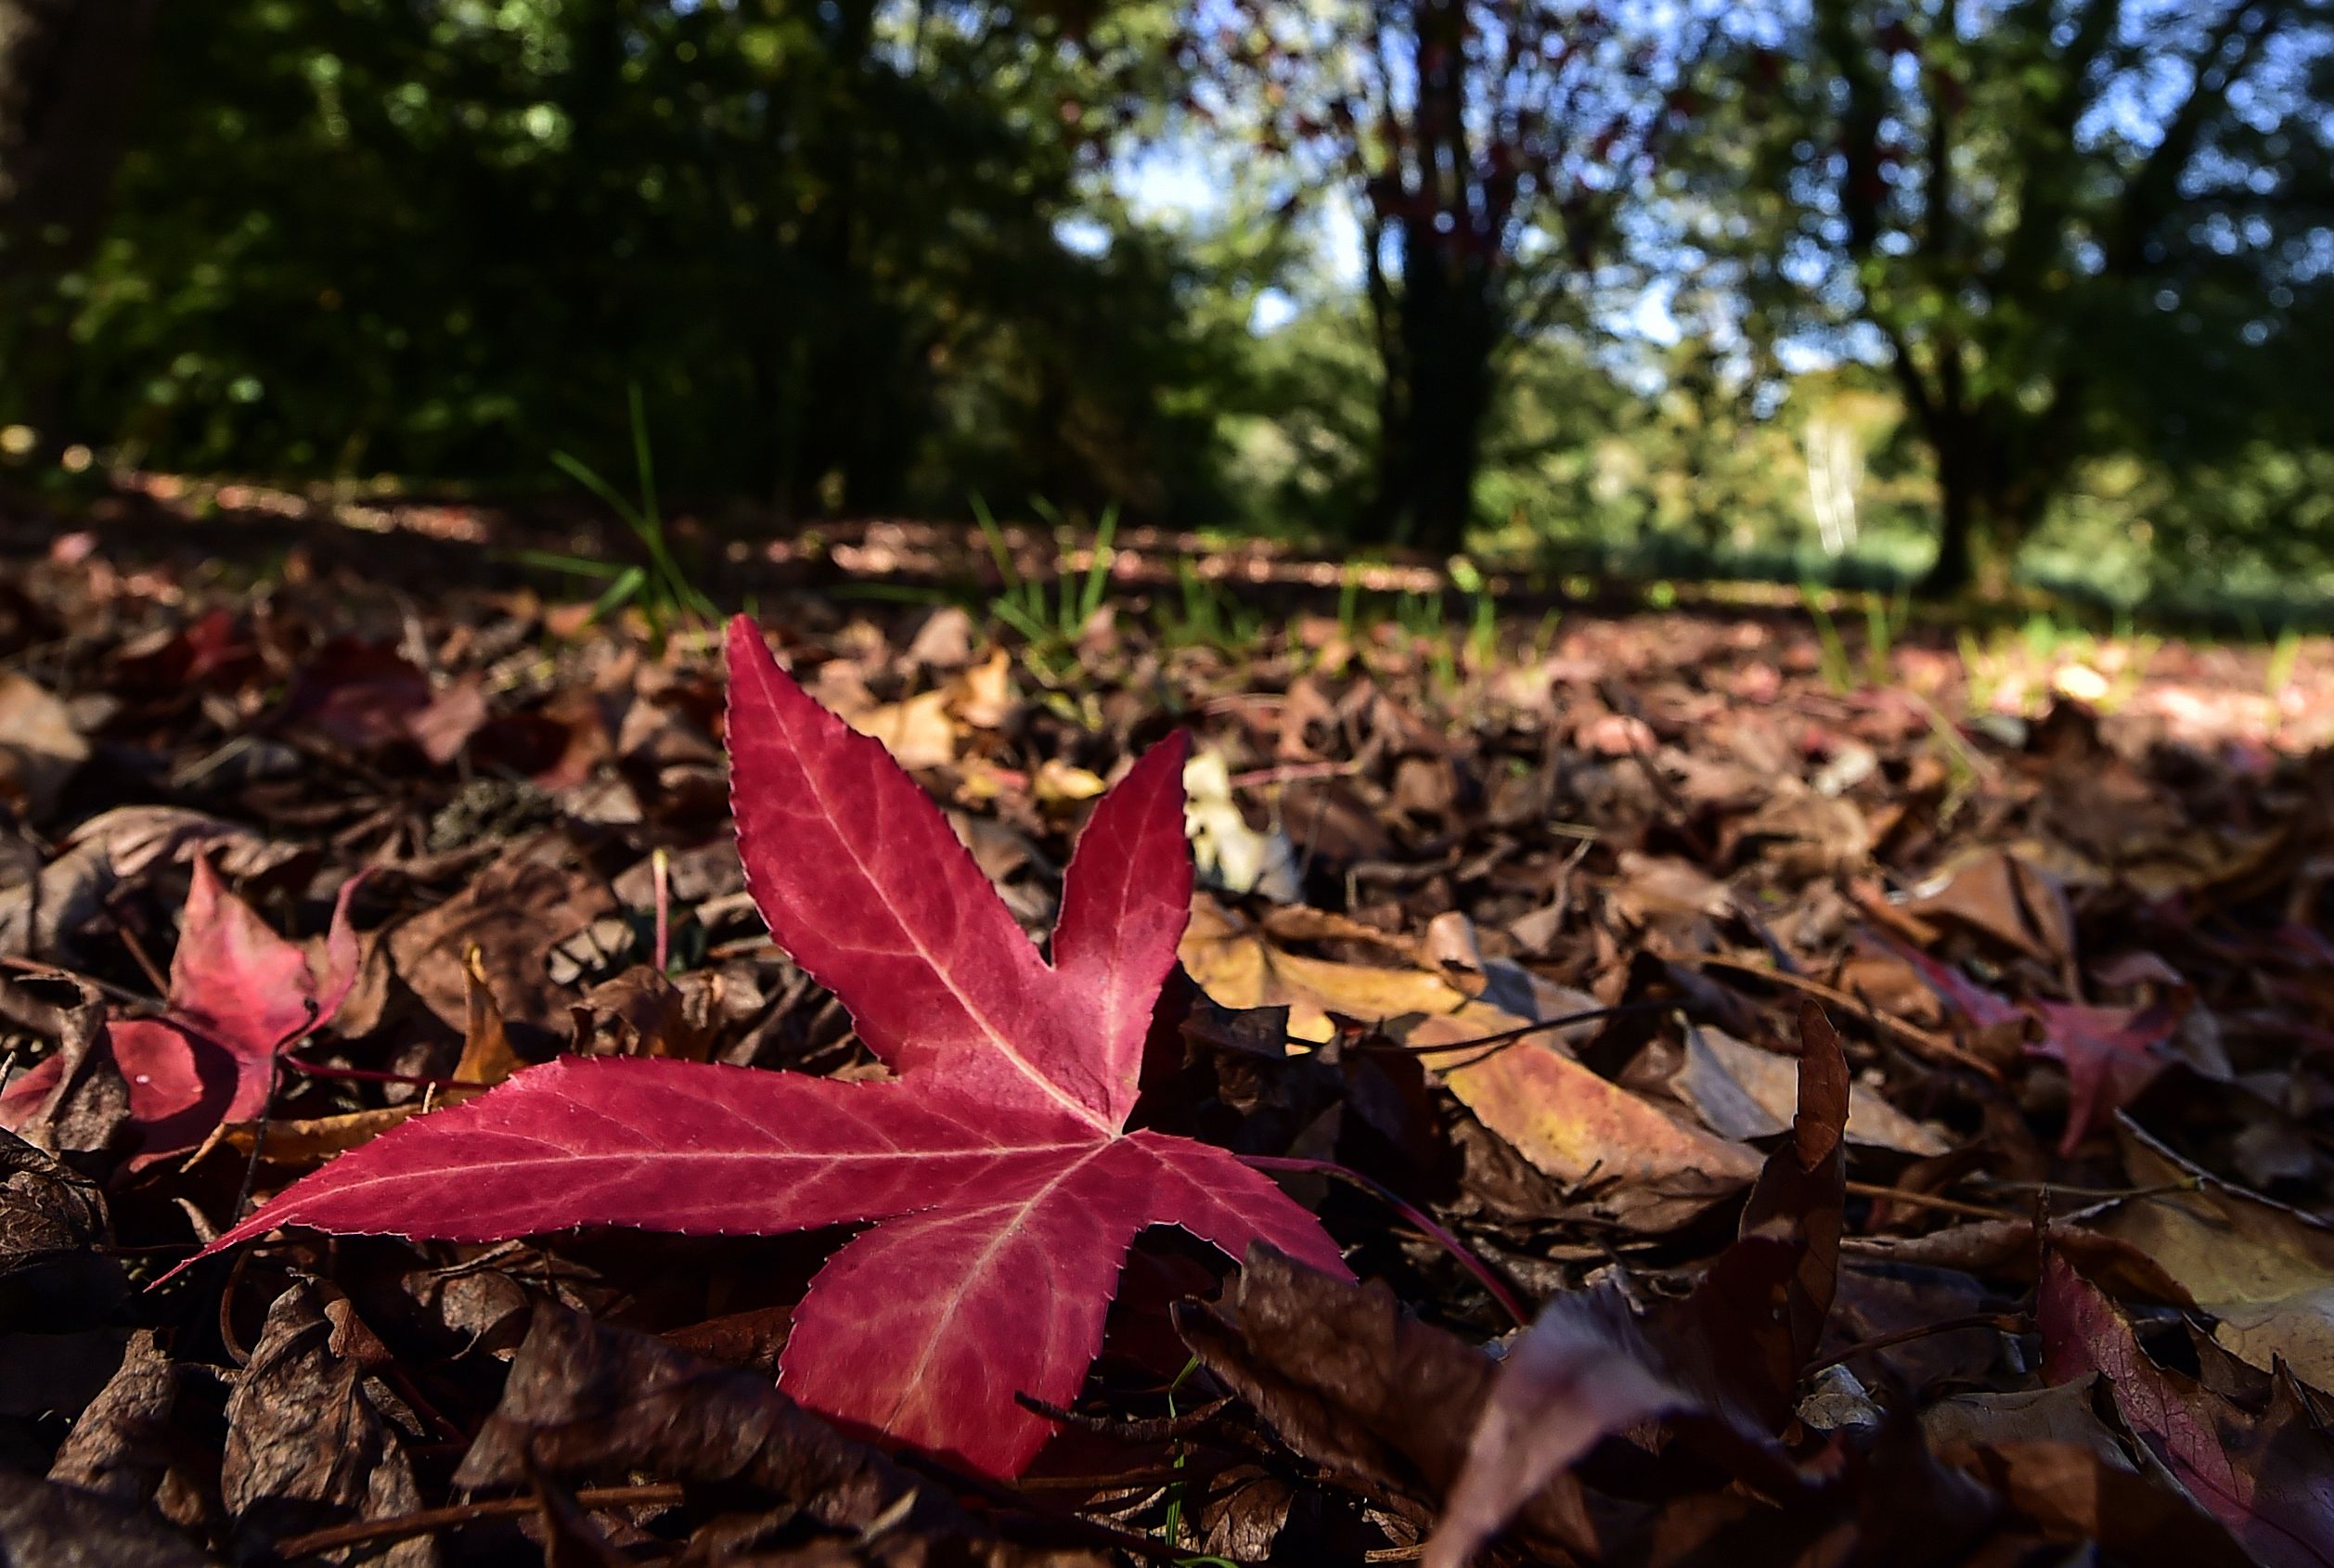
(661, 872)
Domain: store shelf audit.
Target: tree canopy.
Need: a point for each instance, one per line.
(1506, 274)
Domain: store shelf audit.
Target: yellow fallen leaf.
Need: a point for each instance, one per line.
(1636, 1165)
(1232, 962)
(1060, 783)
(918, 733)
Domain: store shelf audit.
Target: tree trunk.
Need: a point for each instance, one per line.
(1979, 532)
(1993, 490)
(1431, 439)
(68, 69)
(1950, 575)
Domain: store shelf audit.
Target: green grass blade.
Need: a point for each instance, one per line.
(1098, 570)
(551, 560)
(619, 592)
(583, 474)
(641, 458)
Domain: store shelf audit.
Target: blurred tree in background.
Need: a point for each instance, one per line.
(1489, 149)
(364, 236)
(69, 72)
(1626, 285)
(2069, 230)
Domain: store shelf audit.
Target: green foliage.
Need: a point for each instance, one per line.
(1839, 674)
(1051, 615)
(657, 586)
(362, 236)
(2070, 231)
(1207, 614)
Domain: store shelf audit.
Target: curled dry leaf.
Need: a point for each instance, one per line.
(2063, 1413)
(642, 1013)
(2080, 1497)
(308, 1445)
(116, 1447)
(585, 1399)
(1638, 1165)
(78, 1102)
(1745, 1092)
(49, 1212)
(53, 1221)
(1753, 1322)
(2006, 898)
(1342, 1374)
(44, 1523)
(2110, 1055)
(998, 1157)
(40, 747)
(1582, 1373)
(512, 913)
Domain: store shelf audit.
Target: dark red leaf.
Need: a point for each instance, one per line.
(2268, 1478)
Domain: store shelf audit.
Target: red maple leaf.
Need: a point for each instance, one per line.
(1003, 1190)
(239, 995)
(1983, 1008)
(2111, 1054)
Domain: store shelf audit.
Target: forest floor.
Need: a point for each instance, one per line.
(1896, 1068)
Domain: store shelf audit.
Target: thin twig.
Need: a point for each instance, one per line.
(1507, 1037)
(1290, 773)
(1418, 1217)
(374, 1075)
(145, 961)
(429, 1521)
(1921, 1040)
(2093, 1194)
(1153, 1477)
(2003, 1322)
(1928, 1200)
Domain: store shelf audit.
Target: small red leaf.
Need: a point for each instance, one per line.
(238, 995)
(247, 989)
(1002, 1191)
(2111, 1054)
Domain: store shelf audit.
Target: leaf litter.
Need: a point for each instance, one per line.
(447, 1129)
